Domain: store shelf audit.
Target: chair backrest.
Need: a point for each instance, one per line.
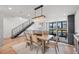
(56, 38)
(28, 36)
(45, 33)
(34, 38)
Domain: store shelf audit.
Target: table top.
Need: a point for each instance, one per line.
(46, 37)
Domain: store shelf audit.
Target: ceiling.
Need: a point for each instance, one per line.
(17, 10)
(27, 11)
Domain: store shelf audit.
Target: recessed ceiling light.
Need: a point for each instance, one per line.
(10, 8)
(64, 14)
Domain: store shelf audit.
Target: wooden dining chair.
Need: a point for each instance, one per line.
(36, 42)
(28, 40)
(53, 44)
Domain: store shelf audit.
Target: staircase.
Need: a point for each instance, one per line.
(21, 28)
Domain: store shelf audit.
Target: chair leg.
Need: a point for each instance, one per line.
(55, 50)
(26, 44)
(37, 50)
(31, 47)
(58, 48)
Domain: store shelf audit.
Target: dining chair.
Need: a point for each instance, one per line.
(53, 44)
(36, 42)
(28, 40)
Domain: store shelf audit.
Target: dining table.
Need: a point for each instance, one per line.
(43, 40)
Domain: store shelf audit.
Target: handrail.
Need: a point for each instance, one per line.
(20, 27)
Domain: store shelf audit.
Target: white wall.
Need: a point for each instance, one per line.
(57, 19)
(1, 31)
(39, 27)
(10, 23)
(77, 21)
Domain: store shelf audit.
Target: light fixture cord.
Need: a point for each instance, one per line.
(41, 10)
(35, 13)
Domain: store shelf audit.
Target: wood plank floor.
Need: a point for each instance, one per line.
(7, 48)
(8, 43)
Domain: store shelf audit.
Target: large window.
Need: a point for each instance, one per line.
(58, 28)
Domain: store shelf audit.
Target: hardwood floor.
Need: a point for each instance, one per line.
(8, 43)
(69, 49)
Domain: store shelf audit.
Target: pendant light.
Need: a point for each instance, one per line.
(41, 17)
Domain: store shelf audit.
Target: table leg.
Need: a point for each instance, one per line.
(31, 47)
(43, 46)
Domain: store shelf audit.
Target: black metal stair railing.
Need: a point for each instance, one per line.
(21, 28)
